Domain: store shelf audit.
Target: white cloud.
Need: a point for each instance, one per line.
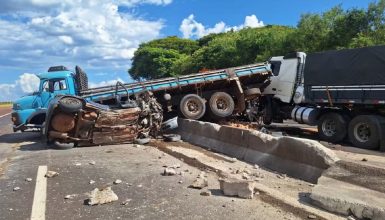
(105, 83)
(36, 34)
(26, 83)
(190, 28)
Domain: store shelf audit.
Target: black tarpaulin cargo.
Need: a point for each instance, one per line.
(363, 66)
(354, 76)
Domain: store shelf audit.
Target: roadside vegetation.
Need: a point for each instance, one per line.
(5, 104)
(333, 29)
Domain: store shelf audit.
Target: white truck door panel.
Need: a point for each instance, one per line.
(282, 86)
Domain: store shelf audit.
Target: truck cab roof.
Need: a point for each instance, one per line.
(56, 74)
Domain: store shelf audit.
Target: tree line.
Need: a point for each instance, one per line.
(333, 29)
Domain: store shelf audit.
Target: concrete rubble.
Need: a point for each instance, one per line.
(169, 172)
(51, 174)
(28, 179)
(234, 187)
(200, 182)
(101, 196)
(117, 181)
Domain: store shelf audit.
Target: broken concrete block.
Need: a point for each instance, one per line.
(92, 163)
(92, 182)
(101, 196)
(16, 188)
(125, 202)
(51, 174)
(28, 179)
(118, 181)
(235, 187)
(169, 172)
(200, 182)
(70, 196)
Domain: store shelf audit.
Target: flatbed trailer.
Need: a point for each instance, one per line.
(227, 91)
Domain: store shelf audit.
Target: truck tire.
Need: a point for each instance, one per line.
(221, 104)
(332, 127)
(70, 104)
(365, 131)
(192, 106)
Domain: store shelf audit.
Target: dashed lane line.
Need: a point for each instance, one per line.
(40, 195)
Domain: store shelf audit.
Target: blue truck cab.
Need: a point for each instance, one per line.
(29, 111)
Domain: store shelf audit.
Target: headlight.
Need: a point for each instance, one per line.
(15, 106)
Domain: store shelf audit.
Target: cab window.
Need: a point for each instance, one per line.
(59, 85)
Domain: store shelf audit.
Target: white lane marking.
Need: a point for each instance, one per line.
(5, 115)
(40, 195)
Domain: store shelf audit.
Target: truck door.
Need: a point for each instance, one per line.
(52, 88)
(283, 80)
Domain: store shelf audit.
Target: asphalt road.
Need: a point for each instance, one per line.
(151, 195)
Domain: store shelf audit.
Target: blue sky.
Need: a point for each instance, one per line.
(102, 37)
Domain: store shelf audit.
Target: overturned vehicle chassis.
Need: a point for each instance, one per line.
(73, 120)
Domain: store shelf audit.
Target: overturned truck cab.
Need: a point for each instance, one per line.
(74, 121)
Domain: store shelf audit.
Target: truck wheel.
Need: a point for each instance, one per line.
(332, 127)
(364, 131)
(70, 104)
(221, 104)
(192, 106)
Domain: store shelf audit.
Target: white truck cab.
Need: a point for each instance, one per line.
(287, 76)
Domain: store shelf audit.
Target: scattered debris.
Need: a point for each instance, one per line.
(125, 202)
(92, 182)
(235, 187)
(351, 218)
(233, 160)
(256, 166)
(140, 185)
(200, 182)
(281, 176)
(78, 164)
(169, 172)
(108, 151)
(28, 179)
(70, 196)
(16, 188)
(311, 217)
(245, 176)
(364, 159)
(118, 181)
(264, 130)
(205, 193)
(180, 182)
(51, 174)
(175, 166)
(101, 196)
(92, 163)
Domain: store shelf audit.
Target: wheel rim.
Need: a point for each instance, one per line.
(193, 106)
(362, 132)
(221, 104)
(329, 127)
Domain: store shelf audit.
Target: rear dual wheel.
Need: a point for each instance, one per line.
(221, 105)
(332, 127)
(365, 131)
(192, 106)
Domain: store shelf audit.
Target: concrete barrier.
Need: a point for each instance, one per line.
(300, 158)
